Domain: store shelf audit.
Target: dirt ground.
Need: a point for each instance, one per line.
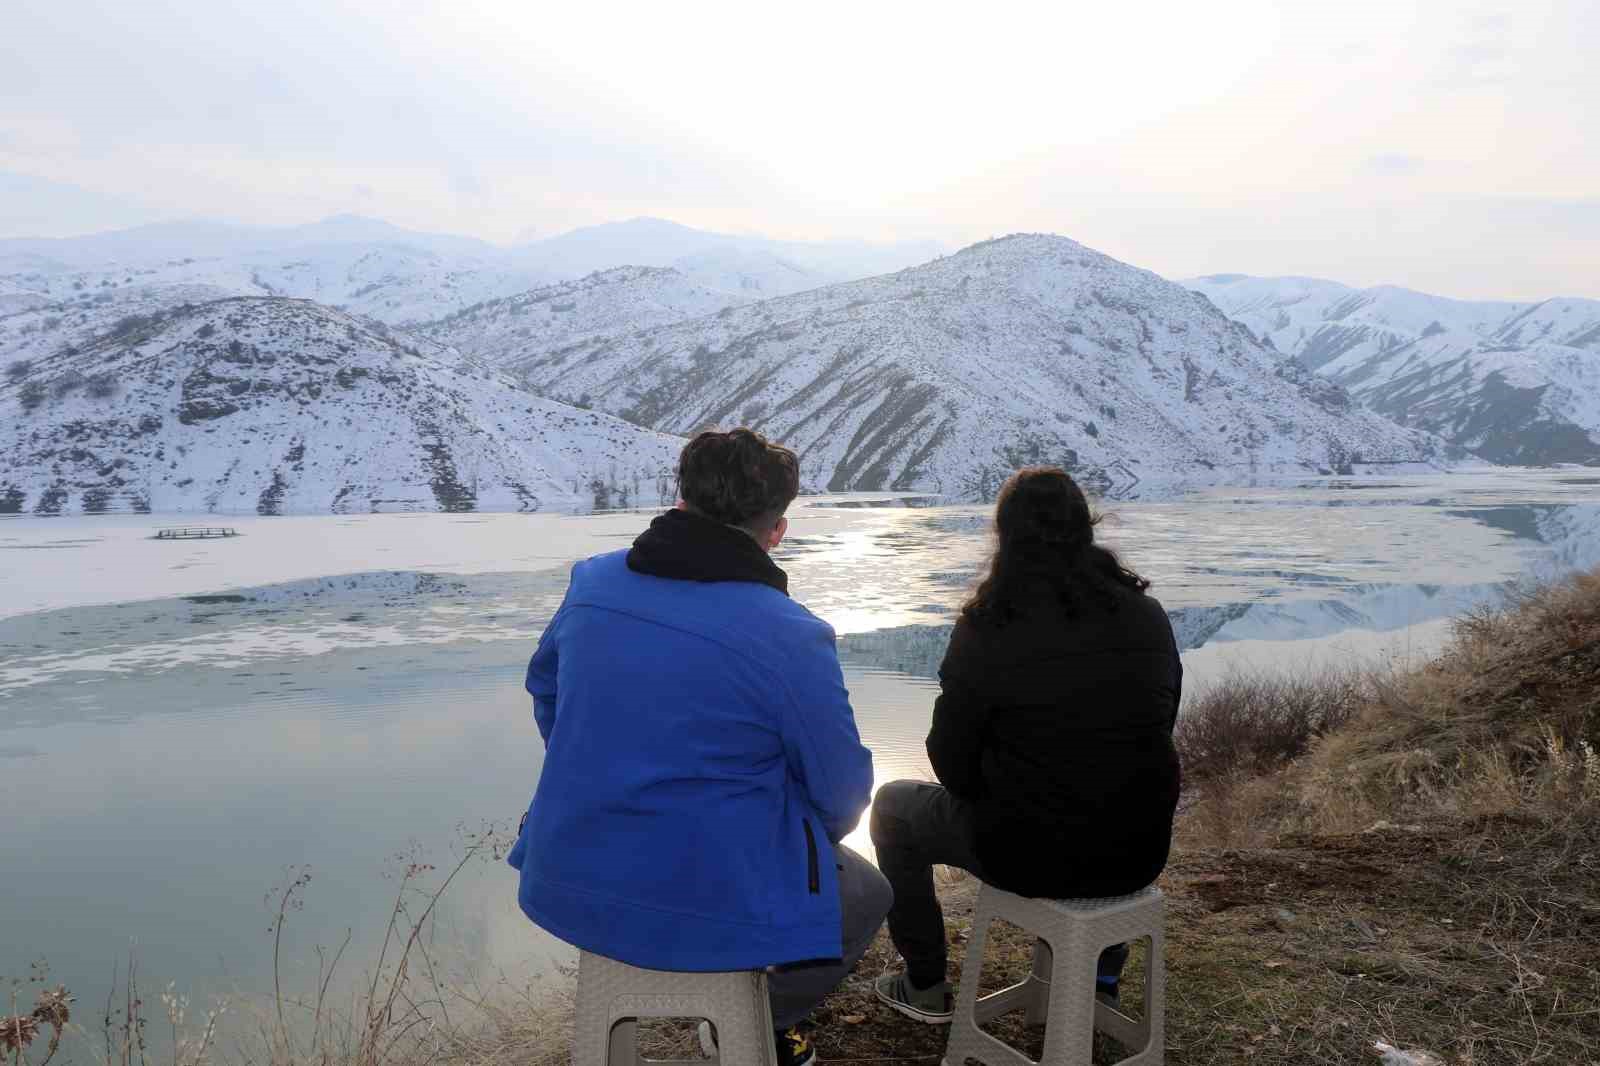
(1478, 942)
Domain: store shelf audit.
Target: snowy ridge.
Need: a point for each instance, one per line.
(393, 283)
(64, 324)
(404, 277)
(748, 266)
(948, 376)
(1515, 383)
(514, 330)
(165, 241)
(275, 405)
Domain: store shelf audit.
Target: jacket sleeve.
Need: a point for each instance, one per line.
(541, 679)
(960, 714)
(821, 744)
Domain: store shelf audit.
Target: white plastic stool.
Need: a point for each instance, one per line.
(1062, 997)
(613, 996)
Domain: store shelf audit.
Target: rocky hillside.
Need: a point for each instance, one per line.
(948, 376)
(516, 330)
(276, 405)
(1514, 382)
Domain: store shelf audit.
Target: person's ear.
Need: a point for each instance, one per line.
(681, 505)
(775, 537)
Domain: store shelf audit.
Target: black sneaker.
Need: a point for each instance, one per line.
(932, 1006)
(793, 1049)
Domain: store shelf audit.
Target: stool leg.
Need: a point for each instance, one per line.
(964, 1034)
(744, 1036)
(623, 1045)
(590, 1044)
(972, 968)
(591, 1026)
(1069, 1035)
(1038, 1010)
(1155, 1000)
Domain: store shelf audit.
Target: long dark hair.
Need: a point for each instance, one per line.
(1044, 532)
(738, 477)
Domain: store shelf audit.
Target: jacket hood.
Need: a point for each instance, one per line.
(690, 547)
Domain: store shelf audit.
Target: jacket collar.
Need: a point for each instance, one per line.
(690, 547)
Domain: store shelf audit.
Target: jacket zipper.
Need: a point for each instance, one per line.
(813, 876)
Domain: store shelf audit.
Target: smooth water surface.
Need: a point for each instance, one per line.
(183, 723)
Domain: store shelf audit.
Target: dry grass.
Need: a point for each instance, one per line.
(1505, 721)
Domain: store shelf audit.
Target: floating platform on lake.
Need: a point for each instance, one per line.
(195, 533)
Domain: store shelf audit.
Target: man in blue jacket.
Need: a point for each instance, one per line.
(701, 758)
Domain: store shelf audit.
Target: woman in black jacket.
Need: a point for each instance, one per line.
(1052, 738)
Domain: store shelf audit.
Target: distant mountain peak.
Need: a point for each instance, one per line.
(1514, 382)
(349, 218)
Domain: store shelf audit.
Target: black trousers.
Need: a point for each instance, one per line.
(914, 825)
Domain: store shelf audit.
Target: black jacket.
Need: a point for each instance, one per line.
(1059, 730)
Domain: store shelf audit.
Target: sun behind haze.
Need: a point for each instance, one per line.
(1440, 145)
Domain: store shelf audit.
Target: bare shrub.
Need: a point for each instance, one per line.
(32, 395)
(18, 369)
(18, 1031)
(1256, 723)
(69, 382)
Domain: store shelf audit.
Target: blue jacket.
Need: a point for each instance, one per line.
(701, 759)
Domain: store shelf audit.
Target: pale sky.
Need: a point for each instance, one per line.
(1447, 146)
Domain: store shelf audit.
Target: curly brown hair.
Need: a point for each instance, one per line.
(1044, 529)
(738, 477)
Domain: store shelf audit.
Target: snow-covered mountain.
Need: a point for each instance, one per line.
(394, 283)
(404, 277)
(752, 266)
(1513, 382)
(948, 376)
(514, 330)
(201, 239)
(272, 404)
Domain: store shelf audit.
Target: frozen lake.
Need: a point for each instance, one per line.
(182, 722)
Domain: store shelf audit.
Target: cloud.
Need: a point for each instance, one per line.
(1393, 164)
(1268, 141)
(1485, 57)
